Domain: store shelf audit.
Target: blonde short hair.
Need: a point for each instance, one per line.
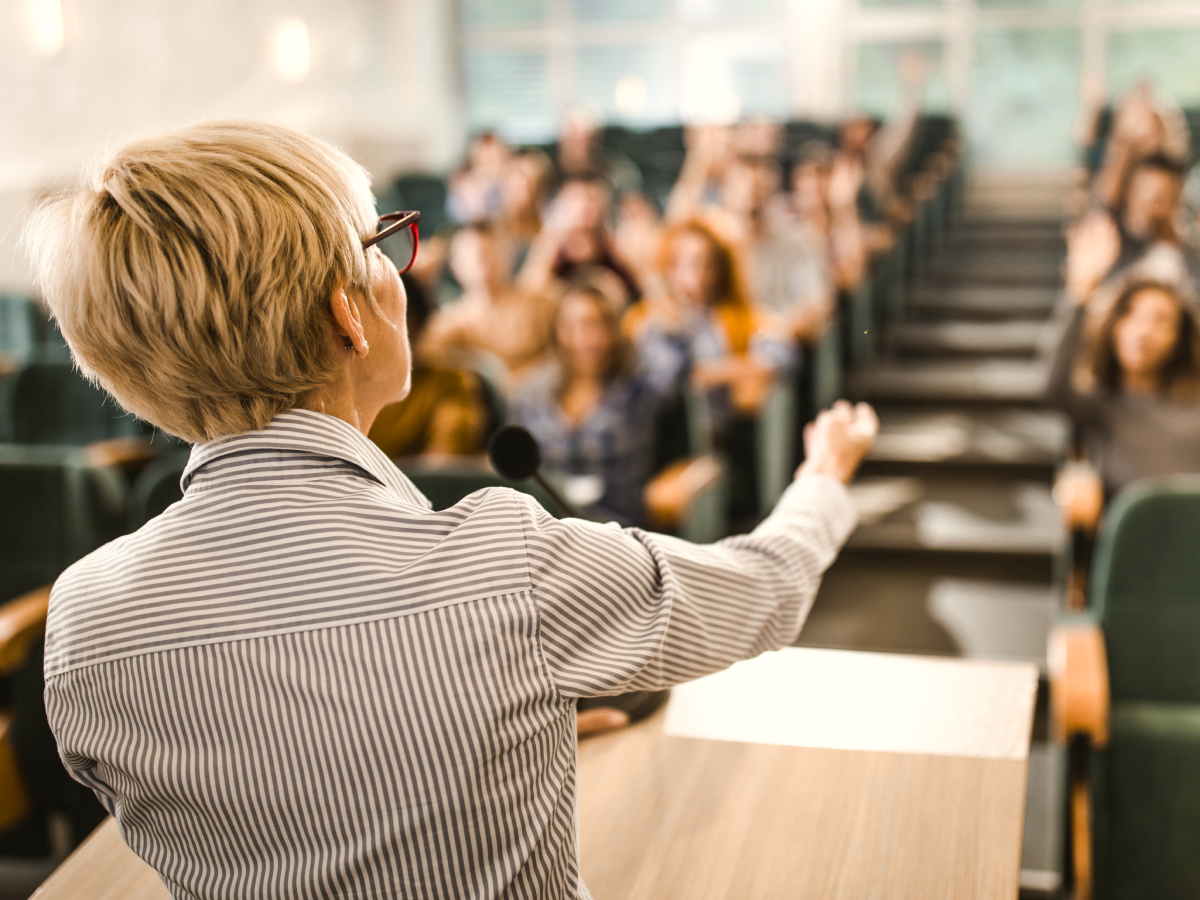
(191, 274)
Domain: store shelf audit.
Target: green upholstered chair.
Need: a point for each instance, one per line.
(21, 325)
(776, 444)
(57, 508)
(157, 487)
(51, 403)
(426, 193)
(446, 485)
(1126, 692)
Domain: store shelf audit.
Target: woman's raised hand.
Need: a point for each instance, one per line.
(1093, 246)
(838, 440)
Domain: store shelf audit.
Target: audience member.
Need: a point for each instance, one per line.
(576, 236)
(1148, 211)
(638, 232)
(581, 155)
(1133, 387)
(789, 262)
(592, 409)
(824, 196)
(476, 191)
(443, 413)
(1143, 126)
(493, 317)
(703, 327)
(526, 191)
(710, 150)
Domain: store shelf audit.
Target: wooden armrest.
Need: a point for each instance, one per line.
(129, 453)
(1079, 692)
(14, 804)
(670, 494)
(1079, 495)
(22, 621)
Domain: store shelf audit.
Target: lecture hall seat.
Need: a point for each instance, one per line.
(1125, 694)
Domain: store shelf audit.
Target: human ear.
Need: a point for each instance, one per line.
(347, 323)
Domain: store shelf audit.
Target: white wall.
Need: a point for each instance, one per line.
(382, 85)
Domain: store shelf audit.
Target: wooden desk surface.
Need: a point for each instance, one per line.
(894, 810)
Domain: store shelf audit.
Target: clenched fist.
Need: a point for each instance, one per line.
(836, 443)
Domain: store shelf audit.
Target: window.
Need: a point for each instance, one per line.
(1168, 57)
(509, 90)
(876, 85)
(1025, 92)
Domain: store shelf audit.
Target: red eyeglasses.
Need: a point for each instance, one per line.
(399, 229)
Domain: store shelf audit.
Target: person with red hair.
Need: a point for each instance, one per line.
(703, 328)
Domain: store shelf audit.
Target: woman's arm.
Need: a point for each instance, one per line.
(1064, 350)
(628, 610)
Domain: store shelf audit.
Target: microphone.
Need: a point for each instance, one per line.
(515, 455)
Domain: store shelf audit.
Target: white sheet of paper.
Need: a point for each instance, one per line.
(846, 700)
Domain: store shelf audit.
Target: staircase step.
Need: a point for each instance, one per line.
(894, 605)
(986, 437)
(1020, 269)
(972, 381)
(956, 514)
(980, 302)
(1015, 337)
(1021, 272)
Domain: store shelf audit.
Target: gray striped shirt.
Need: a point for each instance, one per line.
(301, 682)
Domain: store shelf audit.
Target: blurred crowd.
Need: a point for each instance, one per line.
(626, 329)
(1124, 360)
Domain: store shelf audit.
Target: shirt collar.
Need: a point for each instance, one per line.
(310, 432)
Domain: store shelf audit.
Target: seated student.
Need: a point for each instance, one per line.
(443, 413)
(789, 265)
(1142, 126)
(592, 410)
(580, 154)
(526, 190)
(703, 326)
(576, 236)
(476, 191)
(1147, 212)
(1134, 388)
(787, 261)
(824, 198)
(493, 316)
(637, 236)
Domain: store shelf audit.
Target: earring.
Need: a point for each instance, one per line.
(349, 345)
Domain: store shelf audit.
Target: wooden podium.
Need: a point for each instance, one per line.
(801, 774)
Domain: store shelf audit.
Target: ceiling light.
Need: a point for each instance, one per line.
(631, 95)
(46, 26)
(290, 50)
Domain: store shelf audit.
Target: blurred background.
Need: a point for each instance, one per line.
(401, 83)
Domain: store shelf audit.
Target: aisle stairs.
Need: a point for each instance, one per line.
(958, 541)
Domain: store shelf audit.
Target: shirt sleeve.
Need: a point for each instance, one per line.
(627, 610)
(1064, 350)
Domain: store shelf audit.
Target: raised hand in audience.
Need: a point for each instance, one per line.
(1093, 246)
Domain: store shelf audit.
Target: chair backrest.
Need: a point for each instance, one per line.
(426, 193)
(776, 450)
(56, 509)
(157, 487)
(1145, 590)
(51, 403)
(21, 323)
(446, 486)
